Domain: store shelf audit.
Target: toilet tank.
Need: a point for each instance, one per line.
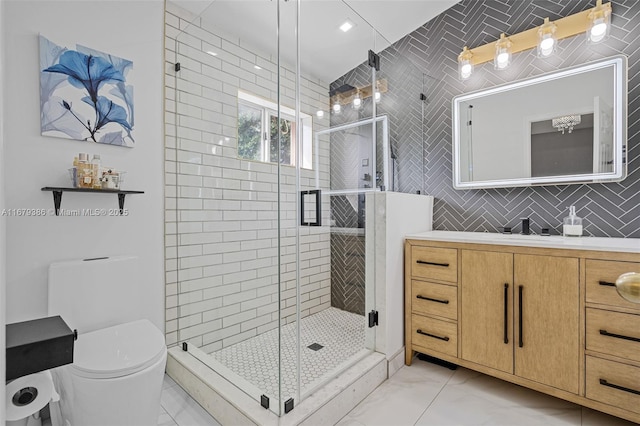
(91, 294)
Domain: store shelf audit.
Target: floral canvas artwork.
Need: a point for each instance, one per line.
(85, 95)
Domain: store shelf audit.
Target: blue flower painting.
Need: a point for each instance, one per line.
(84, 95)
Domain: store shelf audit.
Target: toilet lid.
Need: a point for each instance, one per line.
(119, 350)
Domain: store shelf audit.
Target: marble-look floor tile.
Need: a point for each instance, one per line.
(402, 399)
(596, 418)
(184, 410)
(348, 421)
(164, 419)
(472, 398)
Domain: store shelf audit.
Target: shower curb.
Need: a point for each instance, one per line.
(229, 405)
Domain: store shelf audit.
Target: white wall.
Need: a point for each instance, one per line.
(3, 254)
(128, 29)
(221, 219)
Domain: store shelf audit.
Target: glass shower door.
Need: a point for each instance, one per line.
(224, 173)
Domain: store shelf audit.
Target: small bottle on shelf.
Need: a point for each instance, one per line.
(95, 172)
(572, 224)
(85, 173)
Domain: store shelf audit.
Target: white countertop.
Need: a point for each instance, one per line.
(630, 245)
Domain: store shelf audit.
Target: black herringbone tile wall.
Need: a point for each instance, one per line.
(423, 143)
(348, 272)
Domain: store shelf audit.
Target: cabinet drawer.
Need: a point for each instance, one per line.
(434, 263)
(613, 383)
(435, 334)
(601, 277)
(613, 333)
(434, 299)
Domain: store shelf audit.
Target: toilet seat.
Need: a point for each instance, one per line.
(118, 351)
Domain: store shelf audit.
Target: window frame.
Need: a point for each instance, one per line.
(269, 109)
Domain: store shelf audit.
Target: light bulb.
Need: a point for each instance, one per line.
(600, 22)
(546, 39)
(336, 108)
(465, 66)
(357, 102)
(503, 60)
(598, 31)
(465, 71)
(546, 46)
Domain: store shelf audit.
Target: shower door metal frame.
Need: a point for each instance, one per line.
(385, 149)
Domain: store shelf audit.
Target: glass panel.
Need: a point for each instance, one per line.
(224, 248)
(249, 132)
(333, 291)
(286, 134)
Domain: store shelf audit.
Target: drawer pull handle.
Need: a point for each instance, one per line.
(446, 302)
(424, 262)
(619, 336)
(607, 283)
(603, 382)
(445, 338)
(506, 313)
(520, 338)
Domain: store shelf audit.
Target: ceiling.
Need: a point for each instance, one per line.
(326, 52)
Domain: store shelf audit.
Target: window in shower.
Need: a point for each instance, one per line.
(258, 132)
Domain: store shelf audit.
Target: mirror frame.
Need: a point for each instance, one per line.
(619, 64)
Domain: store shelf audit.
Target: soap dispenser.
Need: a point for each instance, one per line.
(572, 224)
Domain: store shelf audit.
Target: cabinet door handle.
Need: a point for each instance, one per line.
(506, 313)
(607, 283)
(603, 382)
(446, 302)
(445, 338)
(619, 336)
(520, 339)
(424, 262)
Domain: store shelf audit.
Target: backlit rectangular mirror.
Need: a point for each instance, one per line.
(568, 126)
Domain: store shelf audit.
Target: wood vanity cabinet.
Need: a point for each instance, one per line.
(519, 312)
(545, 318)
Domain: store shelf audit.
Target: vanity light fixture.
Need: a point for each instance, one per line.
(595, 22)
(465, 66)
(354, 96)
(547, 39)
(502, 58)
(599, 22)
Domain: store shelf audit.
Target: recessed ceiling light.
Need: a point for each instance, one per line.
(212, 53)
(346, 26)
(257, 67)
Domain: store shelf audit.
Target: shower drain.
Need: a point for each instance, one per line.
(315, 346)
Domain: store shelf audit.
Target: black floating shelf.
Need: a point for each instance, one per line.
(57, 194)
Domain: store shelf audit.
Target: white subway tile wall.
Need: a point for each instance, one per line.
(221, 242)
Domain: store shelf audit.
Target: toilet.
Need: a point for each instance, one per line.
(120, 356)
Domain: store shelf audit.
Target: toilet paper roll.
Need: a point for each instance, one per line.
(42, 381)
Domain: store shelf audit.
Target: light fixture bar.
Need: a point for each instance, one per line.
(568, 26)
(347, 97)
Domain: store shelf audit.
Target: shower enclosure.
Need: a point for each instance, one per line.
(265, 185)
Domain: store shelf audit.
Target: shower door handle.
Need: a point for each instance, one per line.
(318, 194)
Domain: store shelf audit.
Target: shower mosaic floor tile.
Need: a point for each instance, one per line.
(341, 335)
